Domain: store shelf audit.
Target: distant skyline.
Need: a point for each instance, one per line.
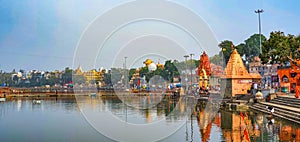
(43, 35)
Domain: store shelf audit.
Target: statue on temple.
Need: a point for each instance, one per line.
(204, 64)
(204, 72)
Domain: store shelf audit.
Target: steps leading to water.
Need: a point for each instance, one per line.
(285, 108)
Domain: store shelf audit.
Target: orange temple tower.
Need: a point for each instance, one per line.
(238, 80)
(204, 70)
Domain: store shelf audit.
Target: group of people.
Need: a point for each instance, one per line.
(253, 89)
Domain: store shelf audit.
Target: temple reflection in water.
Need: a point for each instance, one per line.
(246, 126)
(205, 122)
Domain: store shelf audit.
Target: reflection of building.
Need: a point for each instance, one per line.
(238, 80)
(234, 127)
(206, 118)
(289, 134)
(205, 124)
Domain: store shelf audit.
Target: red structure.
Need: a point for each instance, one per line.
(204, 64)
(290, 77)
(204, 71)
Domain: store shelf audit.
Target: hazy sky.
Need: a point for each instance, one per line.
(43, 35)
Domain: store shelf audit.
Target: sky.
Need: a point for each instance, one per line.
(44, 35)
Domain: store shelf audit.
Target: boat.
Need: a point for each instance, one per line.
(2, 99)
(36, 101)
(93, 94)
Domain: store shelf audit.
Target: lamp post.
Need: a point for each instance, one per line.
(125, 72)
(259, 11)
(191, 67)
(259, 27)
(125, 77)
(186, 78)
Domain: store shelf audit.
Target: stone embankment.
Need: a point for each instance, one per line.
(285, 107)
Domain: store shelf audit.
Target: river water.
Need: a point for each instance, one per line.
(76, 120)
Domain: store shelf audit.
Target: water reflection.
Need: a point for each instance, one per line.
(54, 119)
(243, 126)
(141, 110)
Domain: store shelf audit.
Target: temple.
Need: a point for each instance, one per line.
(290, 76)
(238, 80)
(204, 71)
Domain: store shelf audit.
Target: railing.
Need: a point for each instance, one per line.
(283, 67)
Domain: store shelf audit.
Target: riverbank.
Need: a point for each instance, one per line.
(285, 106)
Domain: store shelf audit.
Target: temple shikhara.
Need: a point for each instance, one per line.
(204, 71)
(238, 80)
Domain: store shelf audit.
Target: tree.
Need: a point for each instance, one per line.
(242, 49)
(226, 49)
(252, 45)
(250, 48)
(131, 72)
(116, 75)
(143, 71)
(216, 59)
(170, 71)
(278, 47)
(5, 78)
(67, 75)
(107, 79)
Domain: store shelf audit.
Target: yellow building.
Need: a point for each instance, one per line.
(92, 76)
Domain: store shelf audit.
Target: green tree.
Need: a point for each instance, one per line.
(170, 71)
(116, 75)
(131, 72)
(252, 45)
(278, 47)
(107, 79)
(216, 59)
(143, 71)
(242, 49)
(5, 78)
(226, 49)
(67, 75)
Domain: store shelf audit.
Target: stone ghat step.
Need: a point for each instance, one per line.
(288, 99)
(294, 100)
(287, 103)
(289, 113)
(282, 106)
(275, 114)
(280, 111)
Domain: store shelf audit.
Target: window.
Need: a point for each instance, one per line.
(293, 74)
(285, 79)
